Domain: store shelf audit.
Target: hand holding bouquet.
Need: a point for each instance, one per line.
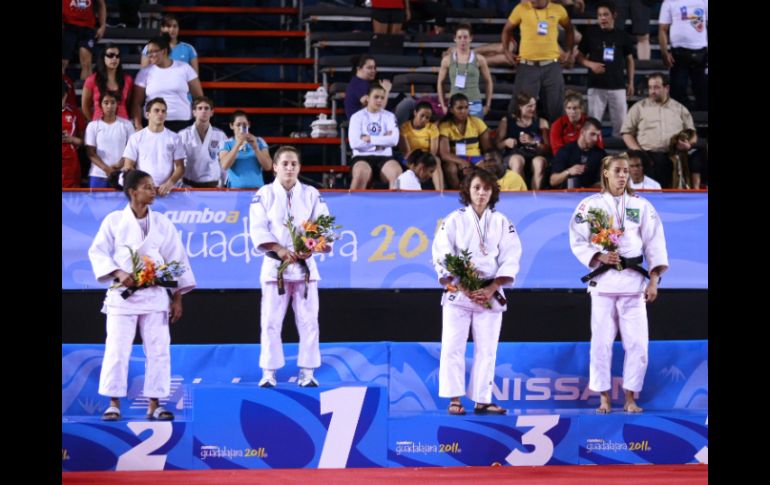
(308, 238)
(146, 273)
(603, 234)
(461, 267)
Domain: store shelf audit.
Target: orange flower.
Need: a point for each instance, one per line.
(309, 227)
(451, 288)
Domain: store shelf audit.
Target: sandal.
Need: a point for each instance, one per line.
(111, 414)
(456, 409)
(490, 408)
(161, 414)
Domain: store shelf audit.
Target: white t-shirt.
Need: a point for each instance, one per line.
(688, 22)
(110, 140)
(155, 153)
(408, 181)
(171, 84)
(646, 183)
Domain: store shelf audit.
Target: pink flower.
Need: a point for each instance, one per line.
(309, 242)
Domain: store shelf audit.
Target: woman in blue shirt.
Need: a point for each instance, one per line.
(244, 156)
(180, 51)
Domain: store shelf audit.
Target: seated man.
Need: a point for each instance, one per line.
(579, 163)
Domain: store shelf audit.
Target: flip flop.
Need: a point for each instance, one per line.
(490, 408)
(456, 409)
(111, 414)
(161, 414)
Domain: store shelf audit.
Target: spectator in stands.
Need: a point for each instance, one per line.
(605, 51)
(269, 211)
(202, 143)
(151, 234)
(638, 180)
(419, 133)
(372, 134)
(180, 51)
(244, 156)
(465, 68)
(169, 79)
(109, 76)
(106, 139)
(495, 252)
(462, 140)
(652, 122)
(423, 10)
(684, 22)
(640, 23)
(523, 138)
(683, 160)
(156, 149)
(364, 72)
(566, 128)
(618, 297)
(80, 33)
(72, 99)
(420, 168)
(507, 179)
(539, 68)
(388, 16)
(577, 165)
(72, 126)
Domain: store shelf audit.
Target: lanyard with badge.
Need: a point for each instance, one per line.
(460, 146)
(608, 53)
(542, 25)
(460, 77)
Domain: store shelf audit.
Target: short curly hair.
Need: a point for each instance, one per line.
(487, 178)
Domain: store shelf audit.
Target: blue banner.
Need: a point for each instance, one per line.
(386, 238)
(223, 420)
(554, 376)
(528, 375)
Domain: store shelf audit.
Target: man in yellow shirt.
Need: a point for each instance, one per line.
(539, 63)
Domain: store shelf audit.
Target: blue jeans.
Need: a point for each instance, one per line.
(98, 183)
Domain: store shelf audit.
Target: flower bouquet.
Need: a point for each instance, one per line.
(147, 273)
(461, 267)
(308, 237)
(603, 234)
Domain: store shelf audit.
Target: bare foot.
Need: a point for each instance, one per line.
(630, 406)
(604, 405)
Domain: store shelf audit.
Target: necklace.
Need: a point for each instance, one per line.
(482, 235)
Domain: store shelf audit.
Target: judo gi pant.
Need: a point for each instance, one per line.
(485, 326)
(273, 311)
(608, 314)
(156, 341)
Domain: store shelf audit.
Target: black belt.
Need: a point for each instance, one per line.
(498, 296)
(630, 263)
(301, 262)
(201, 185)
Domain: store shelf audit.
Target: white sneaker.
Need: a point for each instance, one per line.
(306, 380)
(268, 378)
(268, 381)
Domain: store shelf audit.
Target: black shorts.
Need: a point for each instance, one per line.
(376, 163)
(389, 15)
(73, 37)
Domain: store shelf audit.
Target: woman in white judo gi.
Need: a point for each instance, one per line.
(618, 297)
(496, 250)
(150, 234)
(269, 211)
